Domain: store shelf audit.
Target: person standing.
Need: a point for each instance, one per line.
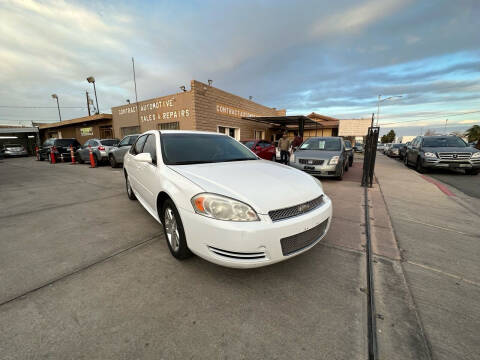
(284, 146)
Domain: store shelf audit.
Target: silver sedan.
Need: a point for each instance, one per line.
(116, 153)
(321, 156)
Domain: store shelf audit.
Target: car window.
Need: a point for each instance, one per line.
(125, 141)
(264, 144)
(182, 149)
(64, 142)
(138, 146)
(347, 143)
(325, 144)
(93, 143)
(109, 142)
(131, 139)
(151, 147)
(248, 144)
(443, 141)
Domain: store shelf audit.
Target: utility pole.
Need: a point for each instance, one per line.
(88, 103)
(446, 121)
(136, 97)
(55, 96)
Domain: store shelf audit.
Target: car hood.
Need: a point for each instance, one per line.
(264, 185)
(449, 149)
(316, 154)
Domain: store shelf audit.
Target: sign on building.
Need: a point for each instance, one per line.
(354, 127)
(87, 131)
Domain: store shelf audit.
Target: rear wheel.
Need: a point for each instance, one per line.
(405, 160)
(79, 159)
(113, 162)
(174, 233)
(346, 166)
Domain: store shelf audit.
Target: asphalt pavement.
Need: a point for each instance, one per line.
(468, 184)
(85, 273)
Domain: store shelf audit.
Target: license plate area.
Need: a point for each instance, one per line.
(309, 167)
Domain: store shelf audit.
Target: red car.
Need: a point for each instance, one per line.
(262, 148)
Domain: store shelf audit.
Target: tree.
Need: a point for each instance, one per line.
(388, 138)
(473, 134)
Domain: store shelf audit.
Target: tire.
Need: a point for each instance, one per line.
(173, 230)
(340, 177)
(95, 160)
(346, 166)
(130, 193)
(471, 172)
(419, 167)
(79, 159)
(113, 162)
(41, 158)
(405, 160)
(274, 158)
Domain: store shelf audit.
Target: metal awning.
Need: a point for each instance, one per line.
(283, 121)
(18, 130)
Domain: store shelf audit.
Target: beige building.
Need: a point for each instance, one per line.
(96, 126)
(202, 108)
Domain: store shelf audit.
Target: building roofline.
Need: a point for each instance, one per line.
(96, 117)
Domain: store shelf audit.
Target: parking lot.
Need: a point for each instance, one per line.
(86, 273)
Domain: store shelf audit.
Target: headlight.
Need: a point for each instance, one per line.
(318, 182)
(430, 155)
(476, 155)
(334, 160)
(223, 208)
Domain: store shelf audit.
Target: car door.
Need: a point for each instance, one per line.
(262, 149)
(133, 165)
(413, 153)
(146, 173)
(83, 151)
(120, 150)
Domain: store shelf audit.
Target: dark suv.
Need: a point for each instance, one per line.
(440, 152)
(61, 149)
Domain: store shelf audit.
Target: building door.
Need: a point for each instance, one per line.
(106, 132)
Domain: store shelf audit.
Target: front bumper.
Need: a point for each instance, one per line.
(15, 153)
(251, 244)
(436, 163)
(325, 169)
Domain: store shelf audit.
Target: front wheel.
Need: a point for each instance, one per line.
(420, 167)
(174, 233)
(405, 160)
(113, 162)
(130, 193)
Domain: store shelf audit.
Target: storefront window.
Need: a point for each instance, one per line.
(169, 126)
(232, 132)
(130, 130)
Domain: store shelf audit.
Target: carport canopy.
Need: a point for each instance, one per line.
(284, 121)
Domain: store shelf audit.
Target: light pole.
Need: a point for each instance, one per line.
(382, 100)
(91, 79)
(54, 96)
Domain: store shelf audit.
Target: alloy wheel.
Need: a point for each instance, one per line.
(171, 229)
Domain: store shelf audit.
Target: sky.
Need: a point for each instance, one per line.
(333, 58)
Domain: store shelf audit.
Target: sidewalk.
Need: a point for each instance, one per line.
(439, 245)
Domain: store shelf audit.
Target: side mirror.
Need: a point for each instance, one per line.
(144, 157)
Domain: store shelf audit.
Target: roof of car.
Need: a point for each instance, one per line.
(187, 132)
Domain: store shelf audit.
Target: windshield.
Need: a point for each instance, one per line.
(248, 144)
(450, 141)
(181, 149)
(396, 146)
(110, 142)
(325, 144)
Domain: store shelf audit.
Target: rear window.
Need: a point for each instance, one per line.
(65, 142)
(109, 142)
(396, 146)
(447, 141)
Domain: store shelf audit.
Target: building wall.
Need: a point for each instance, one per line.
(215, 107)
(154, 112)
(203, 108)
(74, 131)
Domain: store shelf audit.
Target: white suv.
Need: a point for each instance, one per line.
(217, 199)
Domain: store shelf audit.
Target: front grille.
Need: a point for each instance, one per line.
(296, 210)
(300, 241)
(454, 155)
(311, 161)
(238, 255)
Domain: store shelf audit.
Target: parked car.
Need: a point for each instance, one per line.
(262, 148)
(100, 150)
(61, 149)
(218, 200)
(403, 150)
(380, 147)
(117, 152)
(11, 150)
(2, 153)
(321, 156)
(386, 147)
(349, 150)
(450, 152)
(358, 148)
(394, 150)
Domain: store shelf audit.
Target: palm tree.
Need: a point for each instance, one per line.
(473, 133)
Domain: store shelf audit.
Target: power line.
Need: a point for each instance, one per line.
(40, 107)
(439, 117)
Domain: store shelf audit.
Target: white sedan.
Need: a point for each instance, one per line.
(218, 200)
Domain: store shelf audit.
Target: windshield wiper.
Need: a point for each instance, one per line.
(191, 162)
(239, 159)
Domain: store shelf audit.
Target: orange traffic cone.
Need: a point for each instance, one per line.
(72, 155)
(92, 159)
(52, 155)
